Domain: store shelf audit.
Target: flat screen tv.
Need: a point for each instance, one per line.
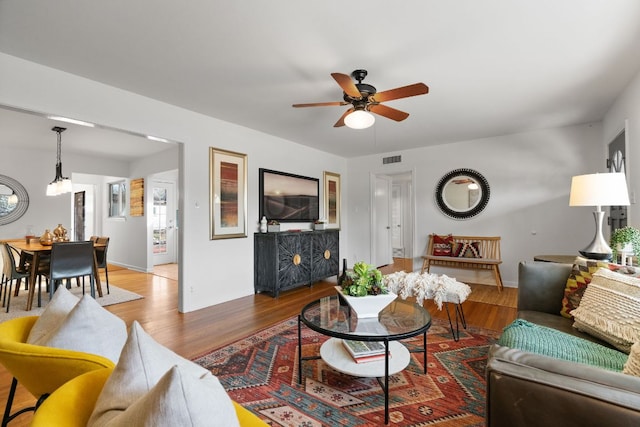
(286, 197)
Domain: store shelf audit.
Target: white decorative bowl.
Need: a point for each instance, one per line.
(369, 305)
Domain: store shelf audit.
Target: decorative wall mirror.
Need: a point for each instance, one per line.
(14, 200)
(462, 193)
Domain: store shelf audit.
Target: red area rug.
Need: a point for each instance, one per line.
(261, 373)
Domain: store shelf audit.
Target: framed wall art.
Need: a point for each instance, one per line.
(227, 194)
(332, 199)
(136, 197)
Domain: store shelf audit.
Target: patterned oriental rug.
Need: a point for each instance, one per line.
(261, 373)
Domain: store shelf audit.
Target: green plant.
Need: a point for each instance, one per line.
(363, 280)
(624, 235)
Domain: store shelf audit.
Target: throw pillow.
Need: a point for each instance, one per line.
(466, 250)
(442, 245)
(142, 364)
(178, 399)
(632, 366)
(53, 315)
(89, 328)
(581, 273)
(610, 309)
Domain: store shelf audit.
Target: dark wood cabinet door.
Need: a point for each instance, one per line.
(325, 250)
(294, 260)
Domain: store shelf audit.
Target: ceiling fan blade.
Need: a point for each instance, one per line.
(340, 122)
(347, 85)
(321, 104)
(388, 112)
(401, 92)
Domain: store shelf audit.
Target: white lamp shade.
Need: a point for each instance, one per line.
(359, 119)
(599, 189)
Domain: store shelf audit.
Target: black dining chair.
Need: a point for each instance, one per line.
(101, 257)
(71, 260)
(10, 272)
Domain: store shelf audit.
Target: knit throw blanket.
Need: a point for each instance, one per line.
(423, 286)
(538, 339)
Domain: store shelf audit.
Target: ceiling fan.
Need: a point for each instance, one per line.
(365, 99)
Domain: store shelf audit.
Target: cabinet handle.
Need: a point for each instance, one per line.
(327, 254)
(297, 259)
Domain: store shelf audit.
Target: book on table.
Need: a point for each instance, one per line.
(365, 351)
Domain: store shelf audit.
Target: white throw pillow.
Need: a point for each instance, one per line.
(143, 363)
(91, 329)
(178, 399)
(54, 313)
(632, 367)
(610, 309)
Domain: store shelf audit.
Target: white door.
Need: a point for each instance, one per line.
(164, 222)
(382, 253)
(397, 218)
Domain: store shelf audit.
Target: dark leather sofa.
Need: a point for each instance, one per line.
(526, 389)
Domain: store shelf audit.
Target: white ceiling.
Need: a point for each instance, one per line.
(493, 67)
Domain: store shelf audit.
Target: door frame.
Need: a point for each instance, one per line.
(411, 222)
(174, 247)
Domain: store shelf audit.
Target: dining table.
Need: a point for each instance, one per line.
(37, 250)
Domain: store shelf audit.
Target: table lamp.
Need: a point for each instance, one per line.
(599, 189)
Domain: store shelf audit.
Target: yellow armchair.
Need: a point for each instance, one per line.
(72, 404)
(41, 370)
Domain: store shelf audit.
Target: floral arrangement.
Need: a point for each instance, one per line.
(363, 280)
(624, 235)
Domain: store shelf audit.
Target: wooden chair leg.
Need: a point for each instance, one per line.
(496, 273)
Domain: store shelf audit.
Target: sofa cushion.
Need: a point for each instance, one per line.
(177, 399)
(632, 366)
(610, 309)
(53, 315)
(143, 363)
(538, 339)
(442, 245)
(581, 274)
(89, 328)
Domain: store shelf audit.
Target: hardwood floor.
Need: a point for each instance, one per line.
(196, 333)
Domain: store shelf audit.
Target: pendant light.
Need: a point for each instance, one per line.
(60, 184)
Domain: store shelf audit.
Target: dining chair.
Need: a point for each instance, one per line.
(10, 272)
(101, 257)
(71, 260)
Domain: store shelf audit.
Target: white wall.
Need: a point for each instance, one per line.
(212, 271)
(626, 111)
(529, 176)
(34, 170)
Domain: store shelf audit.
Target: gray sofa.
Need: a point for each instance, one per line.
(526, 389)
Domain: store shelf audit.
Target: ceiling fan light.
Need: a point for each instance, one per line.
(359, 119)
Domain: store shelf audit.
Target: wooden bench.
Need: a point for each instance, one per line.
(488, 248)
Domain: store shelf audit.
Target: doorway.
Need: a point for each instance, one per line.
(163, 218)
(392, 207)
(616, 163)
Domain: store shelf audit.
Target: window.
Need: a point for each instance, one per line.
(117, 199)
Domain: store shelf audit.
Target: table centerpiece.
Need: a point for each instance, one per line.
(364, 290)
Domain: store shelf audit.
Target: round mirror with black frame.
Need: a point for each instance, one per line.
(462, 193)
(14, 200)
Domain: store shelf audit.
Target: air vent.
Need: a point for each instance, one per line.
(392, 159)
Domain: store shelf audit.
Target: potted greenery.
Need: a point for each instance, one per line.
(364, 290)
(623, 237)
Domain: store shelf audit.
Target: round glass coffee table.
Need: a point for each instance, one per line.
(332, 316)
